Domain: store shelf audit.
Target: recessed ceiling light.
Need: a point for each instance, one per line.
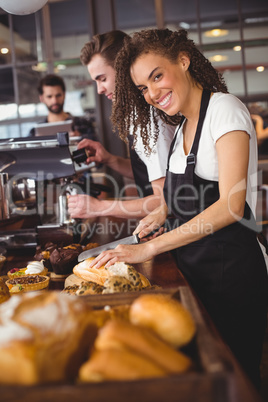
(217, 58)
(215, 33)
(4, 50)
(260, 69)
(237, 48)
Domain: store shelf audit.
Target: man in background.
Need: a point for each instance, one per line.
(52, 91)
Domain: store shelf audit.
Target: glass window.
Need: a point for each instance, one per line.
(5, 47)
(135, 14)
(7, 89)
(24, 36)
(70, 27)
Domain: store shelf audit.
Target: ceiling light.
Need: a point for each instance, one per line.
(260, 69)
(20, 7)
(217, 58)
(237, 48)
(215, 33)
(4, 50)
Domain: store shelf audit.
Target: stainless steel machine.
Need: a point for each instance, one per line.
(36, 174)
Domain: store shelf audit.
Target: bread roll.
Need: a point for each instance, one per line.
(122, 335)
(44, 337)
(114, 364)
(166, 316)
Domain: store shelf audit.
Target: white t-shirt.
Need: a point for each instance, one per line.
(225, 113)
(156, 162)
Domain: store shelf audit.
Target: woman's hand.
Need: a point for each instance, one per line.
(152, 222)
(124, 253)
(83, 206)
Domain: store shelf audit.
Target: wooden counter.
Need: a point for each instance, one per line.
(219, 380)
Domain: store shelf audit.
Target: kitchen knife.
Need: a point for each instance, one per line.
(134, 239)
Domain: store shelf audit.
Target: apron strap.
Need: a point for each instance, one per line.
(191, 158)
(174, 140)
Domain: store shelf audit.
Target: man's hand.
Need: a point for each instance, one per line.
(96, 151)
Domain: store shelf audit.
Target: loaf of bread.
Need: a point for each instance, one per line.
(100, 275)
(166, 316)
(83, 271)
(44, 337)
(124, 351)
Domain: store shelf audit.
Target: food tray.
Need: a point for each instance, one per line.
(209, 382)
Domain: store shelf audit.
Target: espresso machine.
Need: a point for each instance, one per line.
(36, 176)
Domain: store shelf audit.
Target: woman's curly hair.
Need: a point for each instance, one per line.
(130, 110)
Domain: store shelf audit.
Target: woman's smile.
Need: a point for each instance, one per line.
(165, 101)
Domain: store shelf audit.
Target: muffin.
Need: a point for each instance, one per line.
(63, 259)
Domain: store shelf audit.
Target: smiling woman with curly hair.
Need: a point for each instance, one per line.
(210, 184)
(129, 105)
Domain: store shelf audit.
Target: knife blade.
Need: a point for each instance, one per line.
(134, 239)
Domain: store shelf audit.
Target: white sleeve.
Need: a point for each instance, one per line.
(156, 163)
(230, 114)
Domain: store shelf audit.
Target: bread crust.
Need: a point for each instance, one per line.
(166, 316)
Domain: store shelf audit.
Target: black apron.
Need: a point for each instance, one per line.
(227, 268)
(140, 172)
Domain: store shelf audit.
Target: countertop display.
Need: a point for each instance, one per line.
(216, 376)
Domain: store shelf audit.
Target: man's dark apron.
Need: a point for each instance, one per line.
(227, 268)
(140, 172)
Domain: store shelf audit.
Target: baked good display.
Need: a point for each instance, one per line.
(166, 316)
(27, 283)
(123, 351)
(44, 337)
(130, 277)
(33, 268)
(4, 292)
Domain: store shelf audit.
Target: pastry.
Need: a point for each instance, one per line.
(27, 283)
(123, 351)
(4, 292)
(43, 253)
(166, 316)
(89, 246)
(33, 268)
(44, 337)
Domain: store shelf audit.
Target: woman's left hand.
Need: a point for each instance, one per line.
(124, 253)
